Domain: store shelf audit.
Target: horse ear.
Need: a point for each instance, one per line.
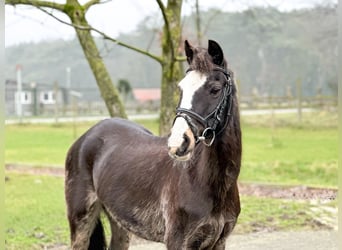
(188, 51)
(215, 52)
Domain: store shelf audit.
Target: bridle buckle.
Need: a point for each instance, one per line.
(204, 137)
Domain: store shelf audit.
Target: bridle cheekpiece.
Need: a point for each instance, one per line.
(211, 123)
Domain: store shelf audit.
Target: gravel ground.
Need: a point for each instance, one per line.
(309, 240)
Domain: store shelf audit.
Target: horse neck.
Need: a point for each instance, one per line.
(219, 165)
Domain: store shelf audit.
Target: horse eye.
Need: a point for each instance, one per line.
(214, 90)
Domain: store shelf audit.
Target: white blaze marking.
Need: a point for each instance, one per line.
(189, 85)
(177, 132)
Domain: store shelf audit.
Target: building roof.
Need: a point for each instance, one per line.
(145, 95)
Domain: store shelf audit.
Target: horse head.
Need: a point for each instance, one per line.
(205, 101)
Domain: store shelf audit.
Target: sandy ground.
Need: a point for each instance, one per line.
(308, 240)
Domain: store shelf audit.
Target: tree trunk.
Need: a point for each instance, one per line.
(172, 70)
(108, 92)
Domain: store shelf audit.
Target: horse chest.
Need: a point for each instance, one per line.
(195, 202)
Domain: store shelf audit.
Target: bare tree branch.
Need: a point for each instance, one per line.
(180, 58)
(90, 3)
(105, 36)
(146, 53)
(37, 3)
(62, 21)
(41, 4)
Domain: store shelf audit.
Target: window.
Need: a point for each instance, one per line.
(47, 97)
(25, 97)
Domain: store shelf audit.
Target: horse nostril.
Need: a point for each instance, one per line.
(186, 142)
(182, 150)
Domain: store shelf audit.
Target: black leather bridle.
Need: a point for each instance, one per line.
(215, 122)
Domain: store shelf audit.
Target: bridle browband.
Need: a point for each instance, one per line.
(216, 117)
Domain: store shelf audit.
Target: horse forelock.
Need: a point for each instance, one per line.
(203, 62)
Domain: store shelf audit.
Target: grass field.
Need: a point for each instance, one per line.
(45, 144)
(285, 153)
(290, 156)
(35, 211)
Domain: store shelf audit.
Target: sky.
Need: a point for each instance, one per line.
(25, 24)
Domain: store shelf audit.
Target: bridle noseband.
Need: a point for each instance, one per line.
(216, 117)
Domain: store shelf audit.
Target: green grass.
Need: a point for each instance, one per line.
(45, 144)
(290, 156)
(35, 211)
(36, 214)
(259, 214)
(38, 144)
(288, 153)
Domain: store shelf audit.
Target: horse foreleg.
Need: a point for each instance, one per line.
(120, 237)
(174, 241)
(185, 235)
(228, 228)
(175, 224)
(221, 245)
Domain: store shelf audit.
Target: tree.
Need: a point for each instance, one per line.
(124, 88)
(170, 60)
(171, 66)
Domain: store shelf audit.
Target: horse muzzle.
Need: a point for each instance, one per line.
(181, 142)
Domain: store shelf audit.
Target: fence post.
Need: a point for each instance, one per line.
(19, 107)
(55, 92)
(299, 100)
(75, 96)
(68, 99)
(238, 89)
(74, 114)
(34, 97)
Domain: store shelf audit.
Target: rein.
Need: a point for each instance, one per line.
(216, 117)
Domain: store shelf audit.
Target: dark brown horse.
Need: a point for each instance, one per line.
(181, 189)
